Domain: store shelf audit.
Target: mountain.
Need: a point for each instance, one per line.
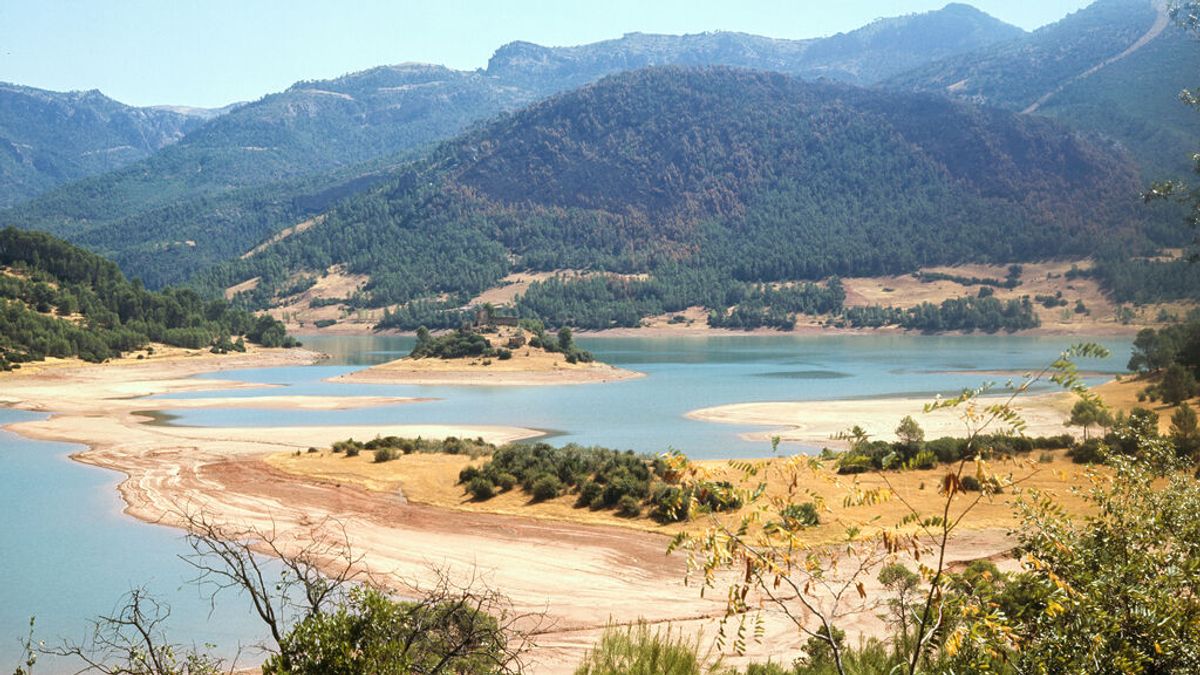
(884, 48)
(1116, 67)
(237, 180)
(60, 300)
(709, 180)
(49, 138)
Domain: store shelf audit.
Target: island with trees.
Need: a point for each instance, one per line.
(494, 351)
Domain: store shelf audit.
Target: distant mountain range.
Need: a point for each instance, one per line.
(48, 138)
(240, 178)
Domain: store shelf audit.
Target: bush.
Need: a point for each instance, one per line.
(468, 474)
(546, 487)
(1090, 451)
(629, 507)
(637, 651)
(971, 484)
(506, 481)
(799, 516)
(481, 488)
(591, 494)
(386, 455)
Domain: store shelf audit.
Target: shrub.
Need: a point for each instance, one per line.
(591, 491)
(481, 488)
(629, 507)
(506, 481)
(546, 487)
(1090, 451)
(637, 651)
(851, 463)
(1046, 457)
(504, 354)
(799, 516)
(971, 484)
(386, 455)
(468, 474)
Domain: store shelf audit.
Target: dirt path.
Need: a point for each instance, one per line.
(1160, 24)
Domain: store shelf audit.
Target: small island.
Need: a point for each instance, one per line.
(494, 351)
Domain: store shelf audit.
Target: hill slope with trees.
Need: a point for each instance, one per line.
(1115, 67)
(271, 163)
(60, 300)
(712, 181)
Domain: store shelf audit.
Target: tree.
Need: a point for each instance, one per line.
(1185, 432)
(904, 585)
(443, 632)
(566, 342)
(910, 433)
(1178, 384)
(1088, 413)
(133, 642)
(1118, 588)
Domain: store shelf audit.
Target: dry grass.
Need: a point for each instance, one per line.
(1121, 395)
(432, 479)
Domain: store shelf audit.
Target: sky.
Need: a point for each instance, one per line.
(209, 53)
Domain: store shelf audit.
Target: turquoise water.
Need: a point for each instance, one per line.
(683, 374)
(68, 554)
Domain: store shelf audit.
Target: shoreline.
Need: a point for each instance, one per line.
(817, 422)
(562, 570)
(565, 569)
(1082, 330)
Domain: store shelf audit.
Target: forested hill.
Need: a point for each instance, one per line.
(707, 177)
(1116, 67)
(48, 138)
(271, 163)
(60, 300)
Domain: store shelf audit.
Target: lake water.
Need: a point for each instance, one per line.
(68, 554)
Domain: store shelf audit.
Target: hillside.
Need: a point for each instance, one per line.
(49, 138)
(258, 169)
(710, 181)
(1116, 67)
(58, 300)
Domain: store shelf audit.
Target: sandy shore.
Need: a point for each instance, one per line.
(581, 577)
(816, 422)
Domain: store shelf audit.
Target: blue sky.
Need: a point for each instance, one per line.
(213, 52)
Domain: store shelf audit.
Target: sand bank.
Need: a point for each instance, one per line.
(817, 422)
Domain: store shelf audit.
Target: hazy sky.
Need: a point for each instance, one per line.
(213, 52)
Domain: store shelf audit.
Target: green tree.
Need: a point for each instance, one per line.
(1178, 384)
(1120, 588)
(1088, 413)
(1185, 432)
(372, 633)
(909, 432)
